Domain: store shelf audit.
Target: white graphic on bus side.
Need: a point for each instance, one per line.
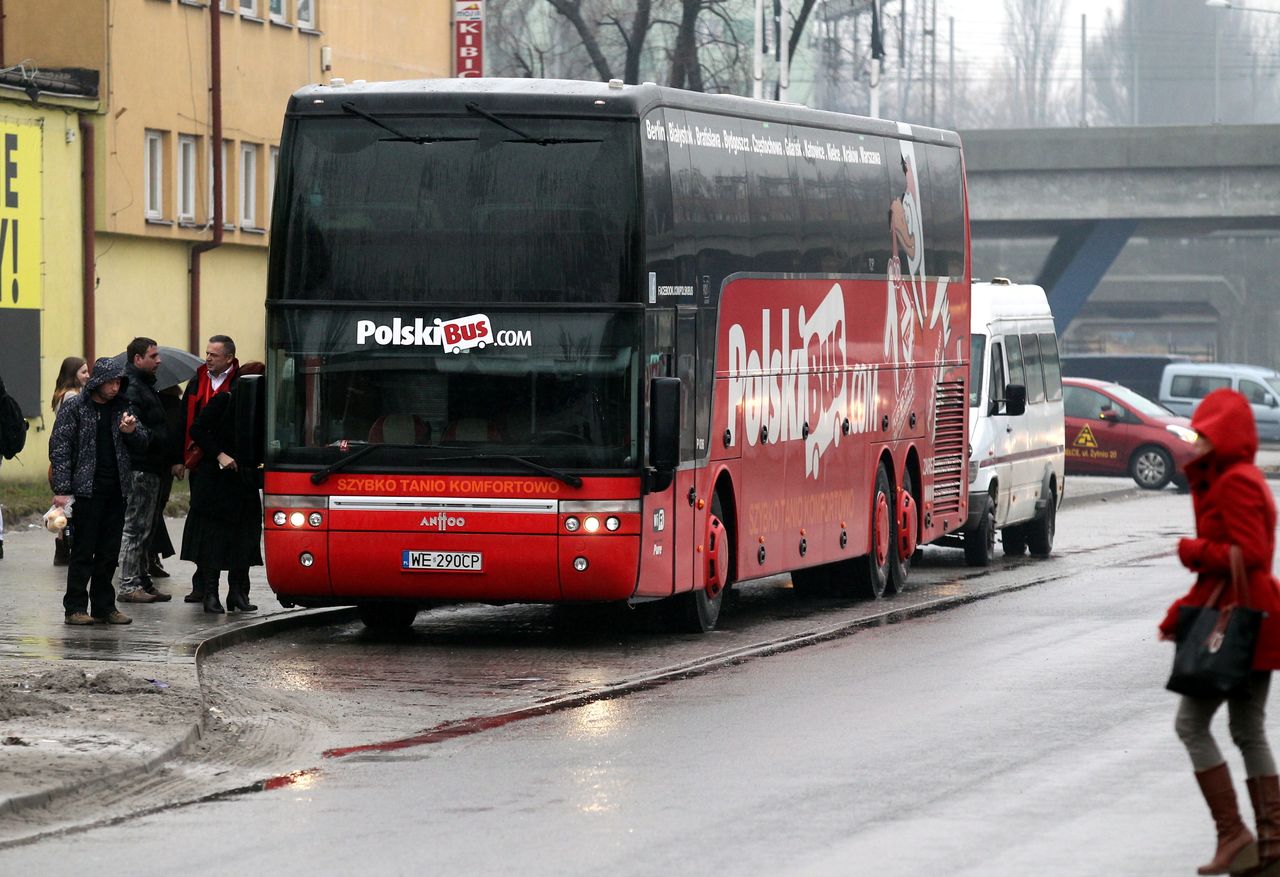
(804, 381)
(464, 333)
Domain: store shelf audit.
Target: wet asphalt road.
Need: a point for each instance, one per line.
(1024, 733)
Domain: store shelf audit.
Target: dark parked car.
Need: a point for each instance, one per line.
(1111, 430)
(1140, 372)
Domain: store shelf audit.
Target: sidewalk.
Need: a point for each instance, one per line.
(90, 705)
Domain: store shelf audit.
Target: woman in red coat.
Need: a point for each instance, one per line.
(1233, 506)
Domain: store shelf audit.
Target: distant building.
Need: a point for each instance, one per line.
(120, 95)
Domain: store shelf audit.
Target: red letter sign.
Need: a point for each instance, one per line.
(468, 38)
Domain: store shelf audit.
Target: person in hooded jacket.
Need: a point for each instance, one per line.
(1233, 506)
(89, 449)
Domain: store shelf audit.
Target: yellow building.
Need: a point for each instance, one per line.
(143, 139)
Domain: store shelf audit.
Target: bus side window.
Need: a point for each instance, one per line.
(995, 391)
(1013, 353)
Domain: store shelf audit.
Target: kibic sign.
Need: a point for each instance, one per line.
(468, 38)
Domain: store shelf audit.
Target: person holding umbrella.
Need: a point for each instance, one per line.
(142, 487)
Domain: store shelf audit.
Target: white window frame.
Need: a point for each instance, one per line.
(249, 8)
(248, 185)
(153, 175)
(273, 164)
(305, 19)
(188, 154)
(277, 11)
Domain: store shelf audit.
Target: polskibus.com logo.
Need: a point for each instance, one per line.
(464, 333)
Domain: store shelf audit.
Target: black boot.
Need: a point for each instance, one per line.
(238, 600)
(61, 552)
(211, 601)
(197, 589)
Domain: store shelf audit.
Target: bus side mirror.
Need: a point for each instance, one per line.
(1015, 400)
(250, 401)
(664, 431)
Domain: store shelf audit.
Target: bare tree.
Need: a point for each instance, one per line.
(1035, 38)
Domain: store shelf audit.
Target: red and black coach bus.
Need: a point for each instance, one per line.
(549, 341)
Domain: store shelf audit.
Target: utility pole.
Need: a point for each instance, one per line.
(951, 70)
(933, 65)
(1084, 81)
(877, 59)
(757, 58)
(784, 51)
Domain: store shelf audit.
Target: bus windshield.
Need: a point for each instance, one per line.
(452, 390)
(457, 209)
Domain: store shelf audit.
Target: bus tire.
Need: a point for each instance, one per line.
(899, 566)
(872, 571)
(980, 542)
(387, 617)
(697, 611)
(1040, 531)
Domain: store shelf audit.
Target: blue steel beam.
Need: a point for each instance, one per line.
(1077, 263)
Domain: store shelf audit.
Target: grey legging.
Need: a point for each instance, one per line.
(1246, 718)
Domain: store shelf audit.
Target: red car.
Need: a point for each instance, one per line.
(1111, 430)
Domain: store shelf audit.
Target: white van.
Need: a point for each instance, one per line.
(1016, 455)
(1184, 384)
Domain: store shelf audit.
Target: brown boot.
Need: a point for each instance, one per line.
(1236, 850)
(1264, 792)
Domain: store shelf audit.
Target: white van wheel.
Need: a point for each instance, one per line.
(980, 543)
(1151, 467)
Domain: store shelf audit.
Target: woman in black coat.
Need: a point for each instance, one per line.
(224, 526)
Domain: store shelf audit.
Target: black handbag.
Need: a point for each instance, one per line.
(1214, 655)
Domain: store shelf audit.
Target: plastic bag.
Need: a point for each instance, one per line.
(55, 520)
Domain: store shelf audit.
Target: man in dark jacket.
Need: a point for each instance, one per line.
(89, 449)
(142, 488)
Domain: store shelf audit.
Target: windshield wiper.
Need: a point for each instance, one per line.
(322, 475)
(525, 138)
(401, 137)
(571, 480)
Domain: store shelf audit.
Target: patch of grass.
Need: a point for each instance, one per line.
(24, 500)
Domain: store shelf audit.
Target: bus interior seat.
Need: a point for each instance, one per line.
(400, 429)
(471, 429)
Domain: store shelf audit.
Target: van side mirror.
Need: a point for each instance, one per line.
(250, 401)
(1272, 403)
(1015, 400)
(664, 432)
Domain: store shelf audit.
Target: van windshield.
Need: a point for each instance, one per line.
(977, 356)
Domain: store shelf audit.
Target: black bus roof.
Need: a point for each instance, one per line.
(580, 98)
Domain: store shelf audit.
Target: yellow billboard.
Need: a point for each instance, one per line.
(20, 207)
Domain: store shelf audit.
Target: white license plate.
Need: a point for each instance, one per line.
(442, 561)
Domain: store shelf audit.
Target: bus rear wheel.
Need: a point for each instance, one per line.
(873, 572)
(387, 617)
(900, 566)
(697, 611)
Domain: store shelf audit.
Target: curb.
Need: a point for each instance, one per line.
(201, 645)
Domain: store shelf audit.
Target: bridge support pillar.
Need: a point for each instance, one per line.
(1077, 263)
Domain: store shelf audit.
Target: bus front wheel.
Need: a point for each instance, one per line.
(387, 617)
(698, 610)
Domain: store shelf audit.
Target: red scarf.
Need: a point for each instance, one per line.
(196, 401)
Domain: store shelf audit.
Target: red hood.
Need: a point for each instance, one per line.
(1225, 418)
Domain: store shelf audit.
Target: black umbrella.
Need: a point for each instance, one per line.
(176, 365)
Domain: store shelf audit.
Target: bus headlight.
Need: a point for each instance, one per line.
(591, 524)
(314, 519)
(279, 519)
(297, 519)
(306, 558)
(580, 564)
(611, 524)
(571, 524)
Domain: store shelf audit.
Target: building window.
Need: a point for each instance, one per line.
(275, 10)
(306, 14)
(273, 163)
(154, 177)
(186, 178)
(248, 185)
(227, 5)
(249, 7)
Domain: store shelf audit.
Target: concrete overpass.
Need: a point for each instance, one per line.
(1092, 189)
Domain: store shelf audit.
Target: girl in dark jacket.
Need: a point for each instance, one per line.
(1233, 507)
(224, 526)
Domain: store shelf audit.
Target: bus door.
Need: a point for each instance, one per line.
(688, 518)
(658, 548)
